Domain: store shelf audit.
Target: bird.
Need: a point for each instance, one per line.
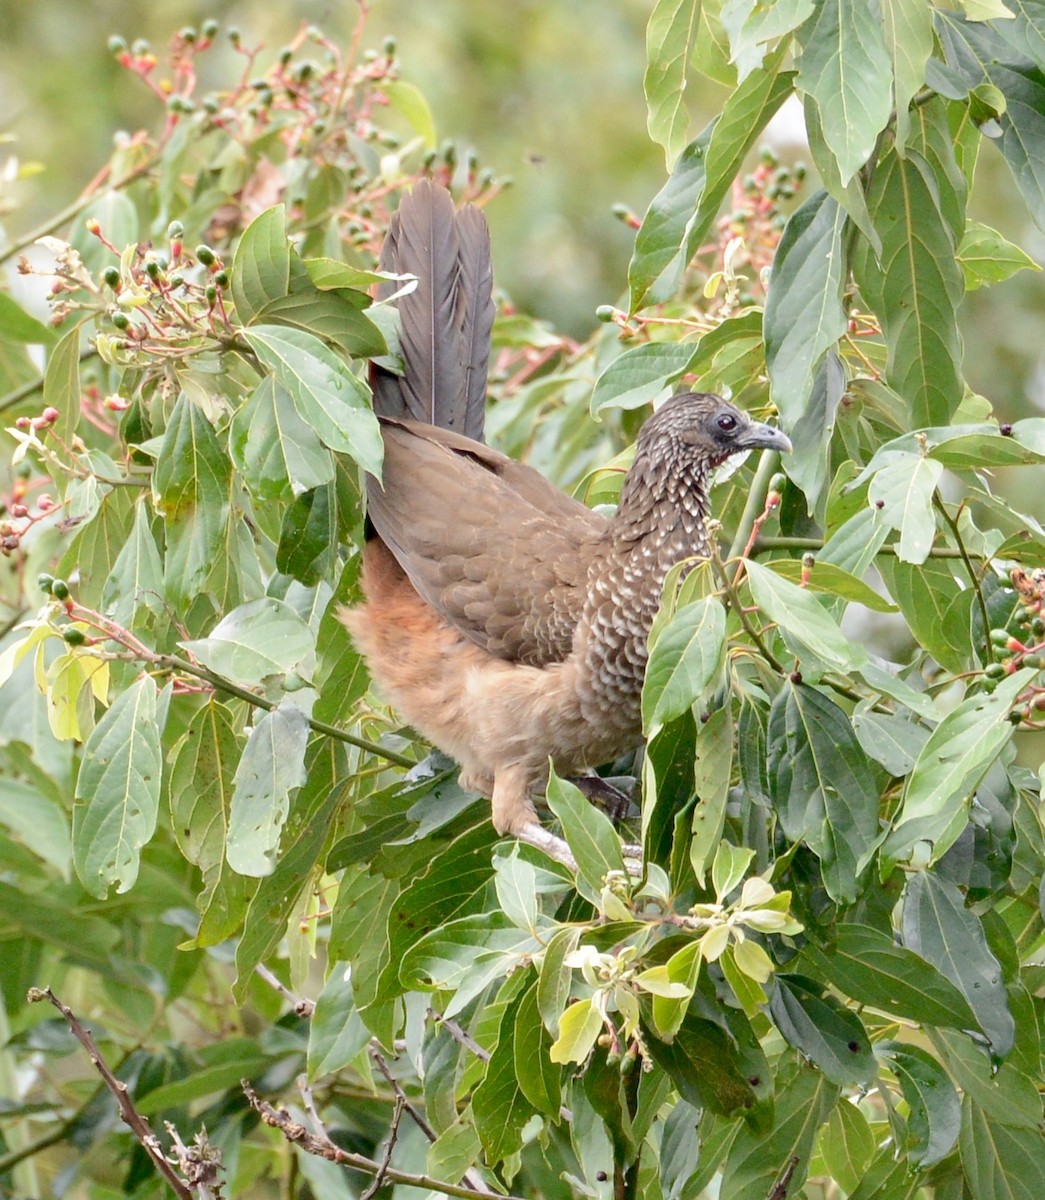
(502, 619)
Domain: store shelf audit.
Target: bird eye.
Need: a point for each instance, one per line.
(727, 422)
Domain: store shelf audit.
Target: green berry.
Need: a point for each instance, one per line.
(605, 312)
(111, 275)
(116, 44)
(120, 320)
(74, 636)
(995, 671)
(60, 589)
(205, 255)
(209, 28)
(45, 582)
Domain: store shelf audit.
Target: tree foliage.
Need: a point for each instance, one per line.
(222, 849)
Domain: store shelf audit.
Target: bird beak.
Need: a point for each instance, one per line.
(758, 436)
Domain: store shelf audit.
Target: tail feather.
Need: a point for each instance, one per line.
(445, 322)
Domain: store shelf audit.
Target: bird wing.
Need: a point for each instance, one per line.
(488, 542)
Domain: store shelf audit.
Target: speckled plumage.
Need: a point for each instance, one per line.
(505, 620)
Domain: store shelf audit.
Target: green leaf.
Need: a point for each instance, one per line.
(277, 453)
(934, 1109)
(916, 287)
(19, 326)
(939, 928)
(986, 257)
(588, 832)
(750, 26)
(926, 594)
(304, 835)
(811, 435)
(555, 979)
(1006, 1092)
(53, 920)
(686, 659)
(261, 264)
(335, 1034)
(712, 771)
(903, 494)
(465, 956)
(191, 489)
(136, 579)
(823, 1030)
(271, 768)
(705, 1067)
(830, 580)
(336, 317)
(199, 788)
(804, 315)
(642, 375)
(890, 739)
(516, 883)
(759, 1159)
(62, 383)
(258, 639)
(682, 211)
(908, 28)
(850, 195)
(308, 541)
(325, 393)
(870, 968)
(956, 757)
(804, 618)
(540, 1080)
(118, 791)
(499, 1106)
(1000, 1161)
(981, 53)
(409, 101)
(455, 885)
(844, 66)
(669, 39)
(847, 1145)
(37, 822)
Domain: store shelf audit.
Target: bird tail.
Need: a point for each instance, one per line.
(445, 322)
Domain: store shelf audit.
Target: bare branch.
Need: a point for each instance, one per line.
(323, 1147)
(138, 1124)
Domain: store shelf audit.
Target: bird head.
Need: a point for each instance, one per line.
(704, 427)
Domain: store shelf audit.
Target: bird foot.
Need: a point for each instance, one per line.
(557, 849)
(611, 800)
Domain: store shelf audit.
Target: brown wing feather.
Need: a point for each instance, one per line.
(486, 541)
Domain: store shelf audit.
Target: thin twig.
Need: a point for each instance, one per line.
(302, 1006)
(138, 1124)
(36, 385)
(323, 1147)
(734, 603)
(460, 1036)
(386, 1159)
(471, 1178)
(974, 579)
(74, 210)
(756, 499)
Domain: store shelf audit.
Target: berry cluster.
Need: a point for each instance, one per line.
(1027, 649)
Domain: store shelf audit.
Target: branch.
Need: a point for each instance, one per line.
(756, 500)
(974, 579)
(35, 385)
(74, 210)
(322, 1147)
(138, 1124)
(811, 543)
